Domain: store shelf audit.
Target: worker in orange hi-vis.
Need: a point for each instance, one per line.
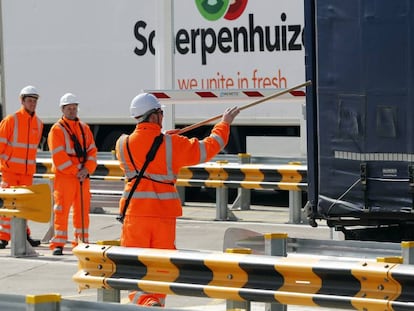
(149, 209)
(20, 135)
(74, 152)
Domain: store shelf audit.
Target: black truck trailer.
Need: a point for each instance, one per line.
(360, 117)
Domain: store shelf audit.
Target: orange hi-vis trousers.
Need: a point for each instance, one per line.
(148, 232)
(67, 193)
(9, 180)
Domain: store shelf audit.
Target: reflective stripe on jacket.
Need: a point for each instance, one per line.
(62, 148)
(20, 135)
(156, 194)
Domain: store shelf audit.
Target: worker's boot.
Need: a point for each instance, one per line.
(32, 242)
(58, 251)
(3, 244)
(152, 302)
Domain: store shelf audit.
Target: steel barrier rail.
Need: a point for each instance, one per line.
(220, 175)
(54, 302)
(105, 168)
(240, 238)
(295, 186)
(107, 155)
(250, 176)
(209, 184)
(310, 281)
(12, 302)
(215, 174)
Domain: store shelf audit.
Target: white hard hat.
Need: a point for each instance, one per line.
(29, 91)
(67, 99)
(143, 103)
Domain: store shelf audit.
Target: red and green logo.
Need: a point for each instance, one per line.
(213, 10)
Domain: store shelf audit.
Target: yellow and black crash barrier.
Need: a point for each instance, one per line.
(220, 175)
(214, 174)
(23, 203)
(309, 281)
(28, 202)
(248, 176)
(106, 169)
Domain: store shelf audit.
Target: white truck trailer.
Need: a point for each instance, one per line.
(107, 51)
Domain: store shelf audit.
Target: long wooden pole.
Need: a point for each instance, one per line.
(259, 101)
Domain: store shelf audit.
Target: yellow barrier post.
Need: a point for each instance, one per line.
(19, 244)
(109, 294)
(46, 302)
(275, 245)
(232, 305)
(222, 198)
(51, 230)
(181, 193)
(295, 203)
(243, 199)
(222, 195)
(407, 249)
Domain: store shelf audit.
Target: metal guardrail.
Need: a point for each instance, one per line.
(255, 241)
(12, 302)
(221, 175)
(215, 174)
(309, 281)
(53, 302)
(104, 155)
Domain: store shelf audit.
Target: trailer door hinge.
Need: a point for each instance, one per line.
(364, 182)
(363, 174)
(411, 177)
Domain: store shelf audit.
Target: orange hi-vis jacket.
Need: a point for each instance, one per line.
(156, 194)
(65, 160)
(20, 135)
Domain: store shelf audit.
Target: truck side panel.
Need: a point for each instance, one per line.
(364, 89)
(104, 51)
(82, 47)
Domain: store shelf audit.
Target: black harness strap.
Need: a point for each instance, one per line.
(150, 156)
(81, 152)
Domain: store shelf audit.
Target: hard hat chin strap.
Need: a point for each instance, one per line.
(140, 119)
(145, 116)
